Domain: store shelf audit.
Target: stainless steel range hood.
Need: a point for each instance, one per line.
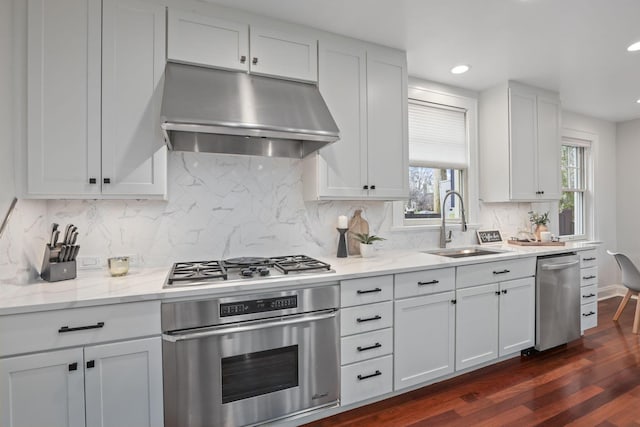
(216, 111)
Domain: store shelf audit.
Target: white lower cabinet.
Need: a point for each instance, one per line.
(476, 325)
(116, 384)
(363, 380)
(588, 290)
(517, 315)
(424, 338)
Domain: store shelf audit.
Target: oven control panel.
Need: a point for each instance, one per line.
(258, 306)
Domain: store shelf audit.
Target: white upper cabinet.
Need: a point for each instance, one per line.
(198, 39)
(213, 42)
(519, 129)
(93, 94)
(134, 155)
(365, 88)
(63, 91)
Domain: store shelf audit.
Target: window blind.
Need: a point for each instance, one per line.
(437, 136)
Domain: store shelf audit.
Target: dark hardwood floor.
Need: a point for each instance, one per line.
(594, 381)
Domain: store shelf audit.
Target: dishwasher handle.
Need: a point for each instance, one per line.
(252, 326)
(558, 266)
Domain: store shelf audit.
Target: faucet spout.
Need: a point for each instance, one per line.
(444, 239)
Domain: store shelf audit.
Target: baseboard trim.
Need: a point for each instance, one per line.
(611, 291)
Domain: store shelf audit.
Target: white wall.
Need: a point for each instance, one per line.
(7, 187)
(605, 166)
(628, 206)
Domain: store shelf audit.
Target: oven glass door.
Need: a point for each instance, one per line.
(238, 376)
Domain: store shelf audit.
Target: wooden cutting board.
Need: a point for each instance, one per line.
(519, 243)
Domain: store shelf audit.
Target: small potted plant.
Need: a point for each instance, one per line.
(540, 221)
(366, 243)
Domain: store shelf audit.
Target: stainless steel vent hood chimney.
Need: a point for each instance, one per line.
(216, 111)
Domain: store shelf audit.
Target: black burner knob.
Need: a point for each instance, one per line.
(246, 272)
(264, 271)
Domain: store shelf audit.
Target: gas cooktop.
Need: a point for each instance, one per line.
(238, 269)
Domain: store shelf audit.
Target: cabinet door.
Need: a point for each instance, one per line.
(517, 315)
(63, 97)
(424, 339)
(342, 169)
(201, 40)
(476, 325)
(549, 148)
(124, 384)
(387, 127)
(280, 54)
(42, 389)
(523, 143)
(133, 152)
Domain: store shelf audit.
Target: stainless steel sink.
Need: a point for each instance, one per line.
(464, 252)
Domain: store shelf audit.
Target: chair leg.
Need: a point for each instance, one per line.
(636, 320)
(622, 305)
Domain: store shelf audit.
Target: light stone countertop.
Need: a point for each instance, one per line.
(97, 287)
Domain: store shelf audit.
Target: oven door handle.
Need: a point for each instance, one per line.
(250, 326)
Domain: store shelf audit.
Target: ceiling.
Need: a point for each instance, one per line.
(576, 47)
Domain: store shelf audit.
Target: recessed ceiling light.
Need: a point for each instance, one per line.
(634, 47)
(459, 69)
(638, 101)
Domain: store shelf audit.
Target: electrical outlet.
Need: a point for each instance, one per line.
(89, 262)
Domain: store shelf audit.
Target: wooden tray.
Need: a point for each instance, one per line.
(519, 243)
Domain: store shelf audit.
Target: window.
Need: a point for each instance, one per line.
(574, 171)
(437, 159)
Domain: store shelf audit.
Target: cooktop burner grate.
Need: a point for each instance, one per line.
(197, 271)
(296, 263)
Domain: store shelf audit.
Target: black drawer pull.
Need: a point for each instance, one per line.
(502, 272)
(369, 291)
(454, 301)
(373, 187)
(589, 259)
(243, 59)
(504, 291)
(365, 187)
(588, 277)
(364, 377)
(591, 313)
(497, 292)
(431, 282)
(80, 328)
(368, 319)
(91, 364)
(371, 347)
(106, 180)
(93, 181)
(73, 366)
(589, 296)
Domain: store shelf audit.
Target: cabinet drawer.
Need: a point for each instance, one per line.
(588, 258)
(366, 346)
(366, 379)
(22, 333)
(366, 290)
(589, 294)
(589, 316)
(424, 282)
(495, 271)
(588, 276)
(366, 318)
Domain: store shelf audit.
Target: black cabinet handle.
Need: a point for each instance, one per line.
(364, 377)
(502, 272)
(504, 291)
(73, 366)
(589, 259)
(255, 61)
(371, 347)
(91, 364)
(243, 59)
(80, 328)
(591, 313)
(454, 301)
(369, 291)
(373, 187)
(497, 292)
(369, 319)
(431, 282)
(107, 180)
(589, 296)
(365, 187)
(588, 277)
(93, 181)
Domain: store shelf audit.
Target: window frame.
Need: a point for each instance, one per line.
(586, 141)
(452, 98)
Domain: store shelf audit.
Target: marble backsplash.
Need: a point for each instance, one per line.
(219, 206)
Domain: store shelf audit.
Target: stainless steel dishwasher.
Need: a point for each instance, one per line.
(557, 300)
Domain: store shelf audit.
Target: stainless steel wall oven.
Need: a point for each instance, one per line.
(245, 360)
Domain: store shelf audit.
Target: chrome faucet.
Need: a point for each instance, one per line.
(444, 239)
